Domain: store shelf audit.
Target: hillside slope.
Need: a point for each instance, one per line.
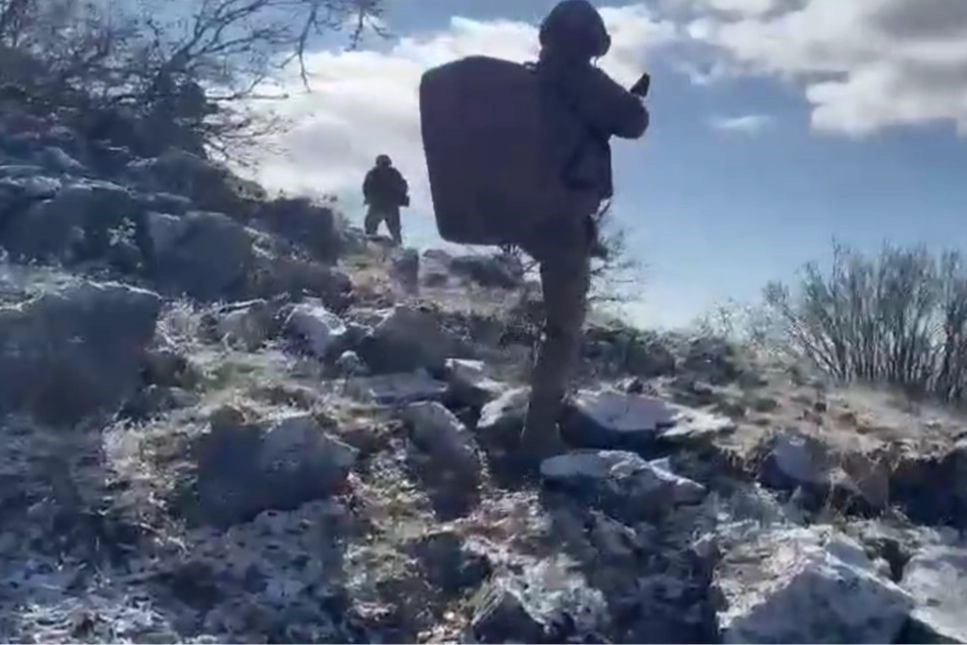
(233, 419)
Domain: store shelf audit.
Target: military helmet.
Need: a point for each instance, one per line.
(384, 160)
(576, 26)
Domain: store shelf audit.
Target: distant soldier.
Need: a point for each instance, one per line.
(385, 191)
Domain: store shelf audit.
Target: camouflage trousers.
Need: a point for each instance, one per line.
(378, 214)
(563, 254)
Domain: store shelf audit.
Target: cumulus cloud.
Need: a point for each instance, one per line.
(366, 102)
(864, 64)
(748, 124)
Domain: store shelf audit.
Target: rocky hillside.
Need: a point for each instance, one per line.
(226, 418)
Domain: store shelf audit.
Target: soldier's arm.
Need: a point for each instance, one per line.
(607, 107)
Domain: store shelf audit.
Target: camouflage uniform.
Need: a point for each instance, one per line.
(385, 190)
(571, 37)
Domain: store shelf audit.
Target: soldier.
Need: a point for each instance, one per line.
(572, 36)
(385, 191)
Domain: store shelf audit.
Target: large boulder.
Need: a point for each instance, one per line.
(807, 586)
(937, 579)
(502, 420)
(244, 469)
(85, 221)
(621, 483)
(547, 602)
(75, 350)
(321, 331)
(310, 226)
(611, 419)
(396, 389)
(210, 186)
(448, 563)
(500, 271)
(276, 274)
(471, 383)
(438, 432)
(409, 339)
(434, 268)
(246, 324)
(206, 256)
(931, 486)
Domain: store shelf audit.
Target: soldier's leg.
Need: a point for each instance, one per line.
(373, 218)
(394, 225)
(565, 279)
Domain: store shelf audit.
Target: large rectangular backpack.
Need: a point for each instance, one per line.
(496, 144)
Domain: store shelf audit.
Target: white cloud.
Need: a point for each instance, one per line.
(748, 124)
(365, 102)
(864, 64)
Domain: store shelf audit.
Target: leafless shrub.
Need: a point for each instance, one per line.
(900, 318)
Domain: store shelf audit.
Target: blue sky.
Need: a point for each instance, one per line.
(776, 126)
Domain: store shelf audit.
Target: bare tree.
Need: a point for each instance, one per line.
(197, 68)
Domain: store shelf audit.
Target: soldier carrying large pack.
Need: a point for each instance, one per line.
(520, 154)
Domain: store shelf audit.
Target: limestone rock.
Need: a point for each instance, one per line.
(409, 339)
(937, 579)
(322, 331)
(807, 586)
(74, 350)
(281, 464)
(622, 483)
(396, 389)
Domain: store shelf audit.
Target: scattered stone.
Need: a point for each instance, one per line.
(59, 161)
(275, 275)
(470, 383)
(409, 339)
(181, 172)
(937, 579)
(435, 268)
(156, 400)
(696, 426)
(502, 419)
(165, 203)
(448, 564)
(712, 360)
(350, 364)
(32, 187)
(207, 257)
(85, 221)
(322, 331)
(806, 586)
(247, 325)
(163, 231)
(621, 483)
(406, 267)
(796, 459)
(549, 602)
(500, 616)
(281, 464)
(299, 221)
(437, 431)
(612, 419)
(497, 271)
(74, 350)
(167, 368)
(397, 389)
